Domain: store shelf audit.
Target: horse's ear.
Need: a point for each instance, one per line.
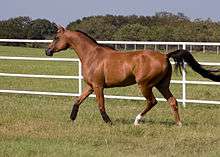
(60, 29)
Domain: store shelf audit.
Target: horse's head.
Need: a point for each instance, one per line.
(59, 43)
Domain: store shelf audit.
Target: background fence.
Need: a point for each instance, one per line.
(121, 45)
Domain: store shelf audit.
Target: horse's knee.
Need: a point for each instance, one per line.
(76, 101)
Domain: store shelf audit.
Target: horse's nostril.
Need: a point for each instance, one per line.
(48, 52)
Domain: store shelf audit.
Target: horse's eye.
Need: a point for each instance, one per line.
(56, 38)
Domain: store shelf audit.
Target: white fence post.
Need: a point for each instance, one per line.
(155, 47)
(80, 77)
(190, 48)
(166, 48)
(135, 47)
(184, 81)
(184, 85)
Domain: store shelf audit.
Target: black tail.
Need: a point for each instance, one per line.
(180, 56)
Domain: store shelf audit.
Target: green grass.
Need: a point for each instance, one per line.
(40, 125)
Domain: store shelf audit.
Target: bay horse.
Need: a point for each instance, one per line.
(104, 67)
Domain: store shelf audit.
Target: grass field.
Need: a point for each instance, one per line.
(40, 125)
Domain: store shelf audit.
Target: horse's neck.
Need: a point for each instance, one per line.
(83, 48)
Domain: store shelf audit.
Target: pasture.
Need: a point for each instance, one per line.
(40, 125)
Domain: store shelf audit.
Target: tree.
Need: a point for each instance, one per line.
(41, 29)
(26, 28)
(132, 32)
(15, 28)
(164, 26)
(99, 27)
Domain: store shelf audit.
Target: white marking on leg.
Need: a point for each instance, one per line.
(137, 119)
(179, 124)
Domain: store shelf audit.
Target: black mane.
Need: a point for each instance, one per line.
(94, 39)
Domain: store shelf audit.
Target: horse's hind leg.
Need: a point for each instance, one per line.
(151, 101)
(165, 91)
(86, 92)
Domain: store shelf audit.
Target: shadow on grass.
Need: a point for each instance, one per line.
(144, 121)
(153, 122)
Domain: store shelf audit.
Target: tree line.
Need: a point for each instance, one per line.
(163, 26)
(26, 28)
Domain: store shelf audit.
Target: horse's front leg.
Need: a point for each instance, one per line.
(101, 103)
(86, 92)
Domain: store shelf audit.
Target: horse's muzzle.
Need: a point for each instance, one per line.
(49, 52)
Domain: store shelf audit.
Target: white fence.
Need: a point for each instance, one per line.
(79, 77)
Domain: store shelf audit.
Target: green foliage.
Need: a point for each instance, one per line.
(41, 29)
(100, 27)
(132, 32)
(164, 26)
(25, 28)
(15, 28)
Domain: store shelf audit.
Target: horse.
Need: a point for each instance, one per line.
(105, 67)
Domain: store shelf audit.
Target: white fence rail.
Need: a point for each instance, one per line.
(184, 82)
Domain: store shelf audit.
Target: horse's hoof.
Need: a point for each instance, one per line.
(110, 123)
(137, 119)
(179, 124)
(136, 124)
(73, 117)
